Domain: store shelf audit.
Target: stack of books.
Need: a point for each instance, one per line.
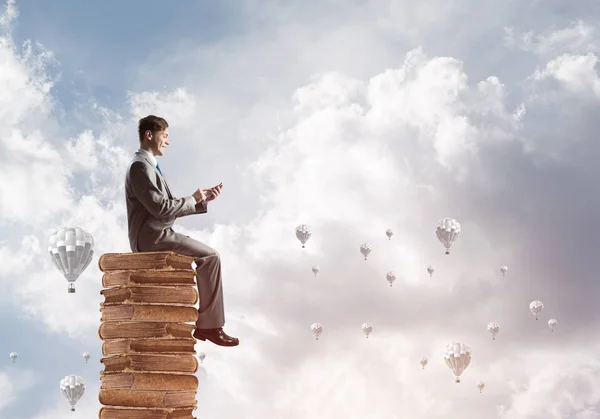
(149, 364)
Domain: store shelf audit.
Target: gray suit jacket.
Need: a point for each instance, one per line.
(151, 209)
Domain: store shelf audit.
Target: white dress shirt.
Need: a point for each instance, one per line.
(150, 156)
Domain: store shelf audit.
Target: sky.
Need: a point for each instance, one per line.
(353, 117)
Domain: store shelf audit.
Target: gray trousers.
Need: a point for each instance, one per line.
(211, 314)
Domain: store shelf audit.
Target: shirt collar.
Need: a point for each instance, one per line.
(149, 155)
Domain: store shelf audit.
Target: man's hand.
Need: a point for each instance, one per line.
(201, 195)
(214, 191)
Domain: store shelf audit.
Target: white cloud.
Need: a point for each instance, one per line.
(576, 73)
(9, 15)
(14, 381)
(361, 147)
(577, 38)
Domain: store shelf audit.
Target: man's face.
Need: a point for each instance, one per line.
(160, 141)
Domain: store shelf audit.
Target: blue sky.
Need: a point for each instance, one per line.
(352, 117)
(101, 45)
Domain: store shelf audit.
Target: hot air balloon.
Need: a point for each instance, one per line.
(367, 328)
(504, 269)
(86, 356)
(72, 387)
(71, 250)
(13, 356)
(458, 358)
(391, 277)
(493, 329)
(480, 386)
(536, 308)
(315, 270)
(365, 249)
(389, 233)
(317, 329)
(423, 362)
(447, 232)
(201, 357)
(303, 233)
(431, 270)
(552, 324)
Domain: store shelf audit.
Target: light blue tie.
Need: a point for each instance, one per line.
(158, 168)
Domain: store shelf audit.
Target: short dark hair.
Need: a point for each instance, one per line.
(151, 123)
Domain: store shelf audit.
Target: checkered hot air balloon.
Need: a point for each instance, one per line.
(458, 358)
(71, 250)
(303, 233)
(317, 329)
(493, 328)
(365, 250)
(447, 232)
(536, 308)
(367, 328)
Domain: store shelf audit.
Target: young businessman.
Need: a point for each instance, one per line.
(151, 212)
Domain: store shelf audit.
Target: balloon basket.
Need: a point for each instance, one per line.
(447, 252)
(457, 381)
(72, 408)
(71, 289)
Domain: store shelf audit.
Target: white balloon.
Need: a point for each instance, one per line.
(317, 329)
(458, 358)
(447, 232)
(552, 324)
(389, 233)
(493, 328)
(536, 308)
(365, 249)
(315, 270)
(71, 250)
(367, 329)
(504, 269)
(423, 362)
(86, 356)
(431, 270)
(303, 233)
(391, 277)
(72, 387)
(13, 356)
(480, 386)
(201, 357)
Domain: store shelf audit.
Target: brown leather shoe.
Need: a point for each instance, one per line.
(216, 336)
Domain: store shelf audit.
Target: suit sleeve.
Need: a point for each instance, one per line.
(156, 201)
(201, 207)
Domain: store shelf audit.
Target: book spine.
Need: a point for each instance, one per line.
(157, 393)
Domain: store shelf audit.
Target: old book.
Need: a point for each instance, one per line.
(145, 413)
(144, 260)
(149, 277)
(150, 381)
(147, 398)
(156, 345)
(148, 313)
(185, 364)
(185, 296)
(127, 330)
